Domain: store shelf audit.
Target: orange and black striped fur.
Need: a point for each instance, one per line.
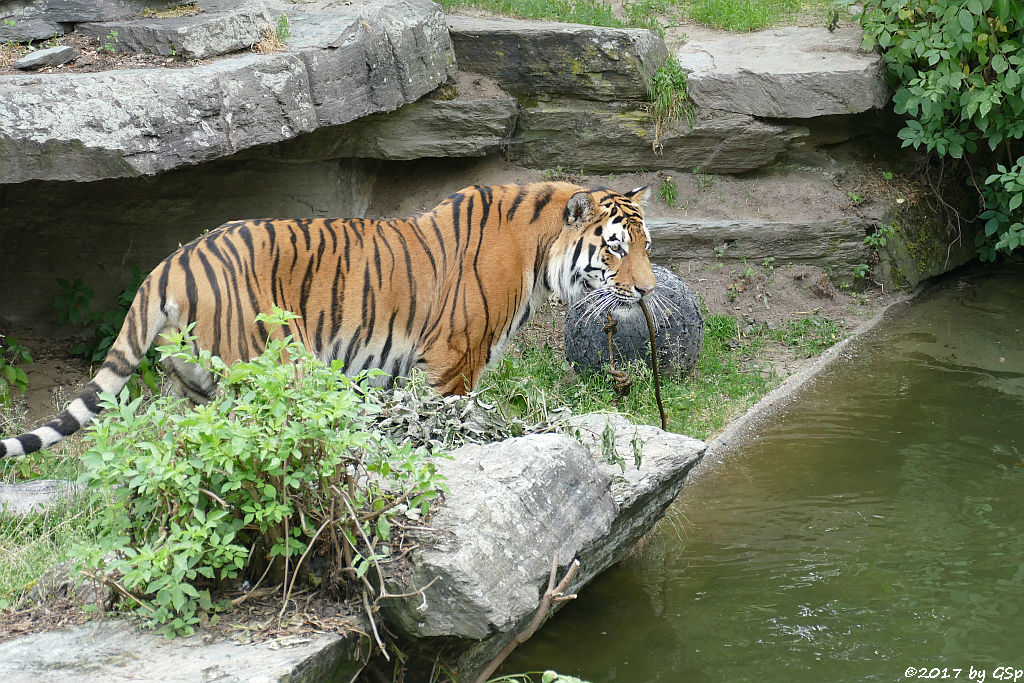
(443, 291)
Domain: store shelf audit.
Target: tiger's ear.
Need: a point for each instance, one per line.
(580, 209)
(640, 195)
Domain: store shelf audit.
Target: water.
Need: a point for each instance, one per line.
(878, 525)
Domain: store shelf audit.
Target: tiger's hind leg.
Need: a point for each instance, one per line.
(191, 380)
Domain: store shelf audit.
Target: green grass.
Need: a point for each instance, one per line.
(731, 15)
(534, 379)
(590, 12)
(32, 544)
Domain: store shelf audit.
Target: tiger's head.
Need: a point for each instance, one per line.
(603, 251)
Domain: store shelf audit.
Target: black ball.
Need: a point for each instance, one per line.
(678, 330)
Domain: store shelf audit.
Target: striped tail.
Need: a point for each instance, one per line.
(121, 361)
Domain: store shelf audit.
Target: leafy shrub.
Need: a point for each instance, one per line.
(12, 377)
(286, 455)
(959, 66)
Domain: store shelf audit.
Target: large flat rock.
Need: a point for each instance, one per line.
(834, 242)
(200, 36)
(430, 128)
(541, 58)
(794, 72)
(28, 15)
(605, 139)
(24, 498)
(85, 127)
(511, 506)
(117, 651)
(123, 123)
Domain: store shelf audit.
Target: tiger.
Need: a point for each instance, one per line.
(442, 292)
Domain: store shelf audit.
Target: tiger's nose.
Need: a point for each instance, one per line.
(645, 290)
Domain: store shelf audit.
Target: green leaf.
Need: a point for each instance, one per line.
(383, 528)
(1015, 201)
(966, 20)
(999, 63)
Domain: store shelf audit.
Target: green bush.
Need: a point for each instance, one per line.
(250, 484)
(12, 377)
(959, 66)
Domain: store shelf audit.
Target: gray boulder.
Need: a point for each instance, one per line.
(602, 138)
(794, 72)
(75, 11)
(200, 36)
(28, 24)
(385, 56)
(512, 506)
(51, 56)
(678, 330)
(532, 58)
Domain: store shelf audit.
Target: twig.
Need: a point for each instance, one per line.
(239, 600)
(254, 592)
(366, 540)
(373, 625)
(396, 502)
(116, 586)
(553, 594)
(621, 382)
(295, 571)
(654, 366)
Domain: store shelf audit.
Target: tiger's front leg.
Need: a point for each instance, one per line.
(452, 366)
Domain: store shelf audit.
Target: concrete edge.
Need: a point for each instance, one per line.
(744, 428)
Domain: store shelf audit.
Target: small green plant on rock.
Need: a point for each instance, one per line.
(702, 179)
(861, 270)
(285, 464)
(667, 192)
(284, 29)
(880, 237)
(111, 41)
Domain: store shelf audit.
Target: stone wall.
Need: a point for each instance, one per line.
(96, 231)
(102, 170)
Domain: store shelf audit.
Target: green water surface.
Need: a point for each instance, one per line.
(878, 525)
